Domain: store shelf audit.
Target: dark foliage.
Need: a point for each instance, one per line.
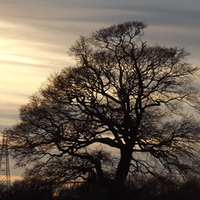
(30, 188)
(152, 189)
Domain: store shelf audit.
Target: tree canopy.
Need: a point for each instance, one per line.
(121, 110)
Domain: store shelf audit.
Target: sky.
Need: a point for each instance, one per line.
(35, 36)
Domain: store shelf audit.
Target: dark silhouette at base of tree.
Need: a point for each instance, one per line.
(121, 110)
(35, 188)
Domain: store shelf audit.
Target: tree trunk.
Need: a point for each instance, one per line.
(124, 165)
(117, 189)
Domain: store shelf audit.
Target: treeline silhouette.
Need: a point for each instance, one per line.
(35, 188)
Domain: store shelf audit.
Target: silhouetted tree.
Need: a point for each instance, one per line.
(124, 95)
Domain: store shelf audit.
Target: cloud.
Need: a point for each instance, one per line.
(35, 35)
(8, 114)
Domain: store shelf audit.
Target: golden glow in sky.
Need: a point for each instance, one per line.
(35, 36)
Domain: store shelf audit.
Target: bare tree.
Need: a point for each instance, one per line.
(124, 95)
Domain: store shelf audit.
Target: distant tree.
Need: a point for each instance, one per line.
(29, 188)
(124, 96)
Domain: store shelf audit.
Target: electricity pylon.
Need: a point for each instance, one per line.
(4, 163)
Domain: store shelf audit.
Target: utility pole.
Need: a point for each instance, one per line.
(4, 164)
